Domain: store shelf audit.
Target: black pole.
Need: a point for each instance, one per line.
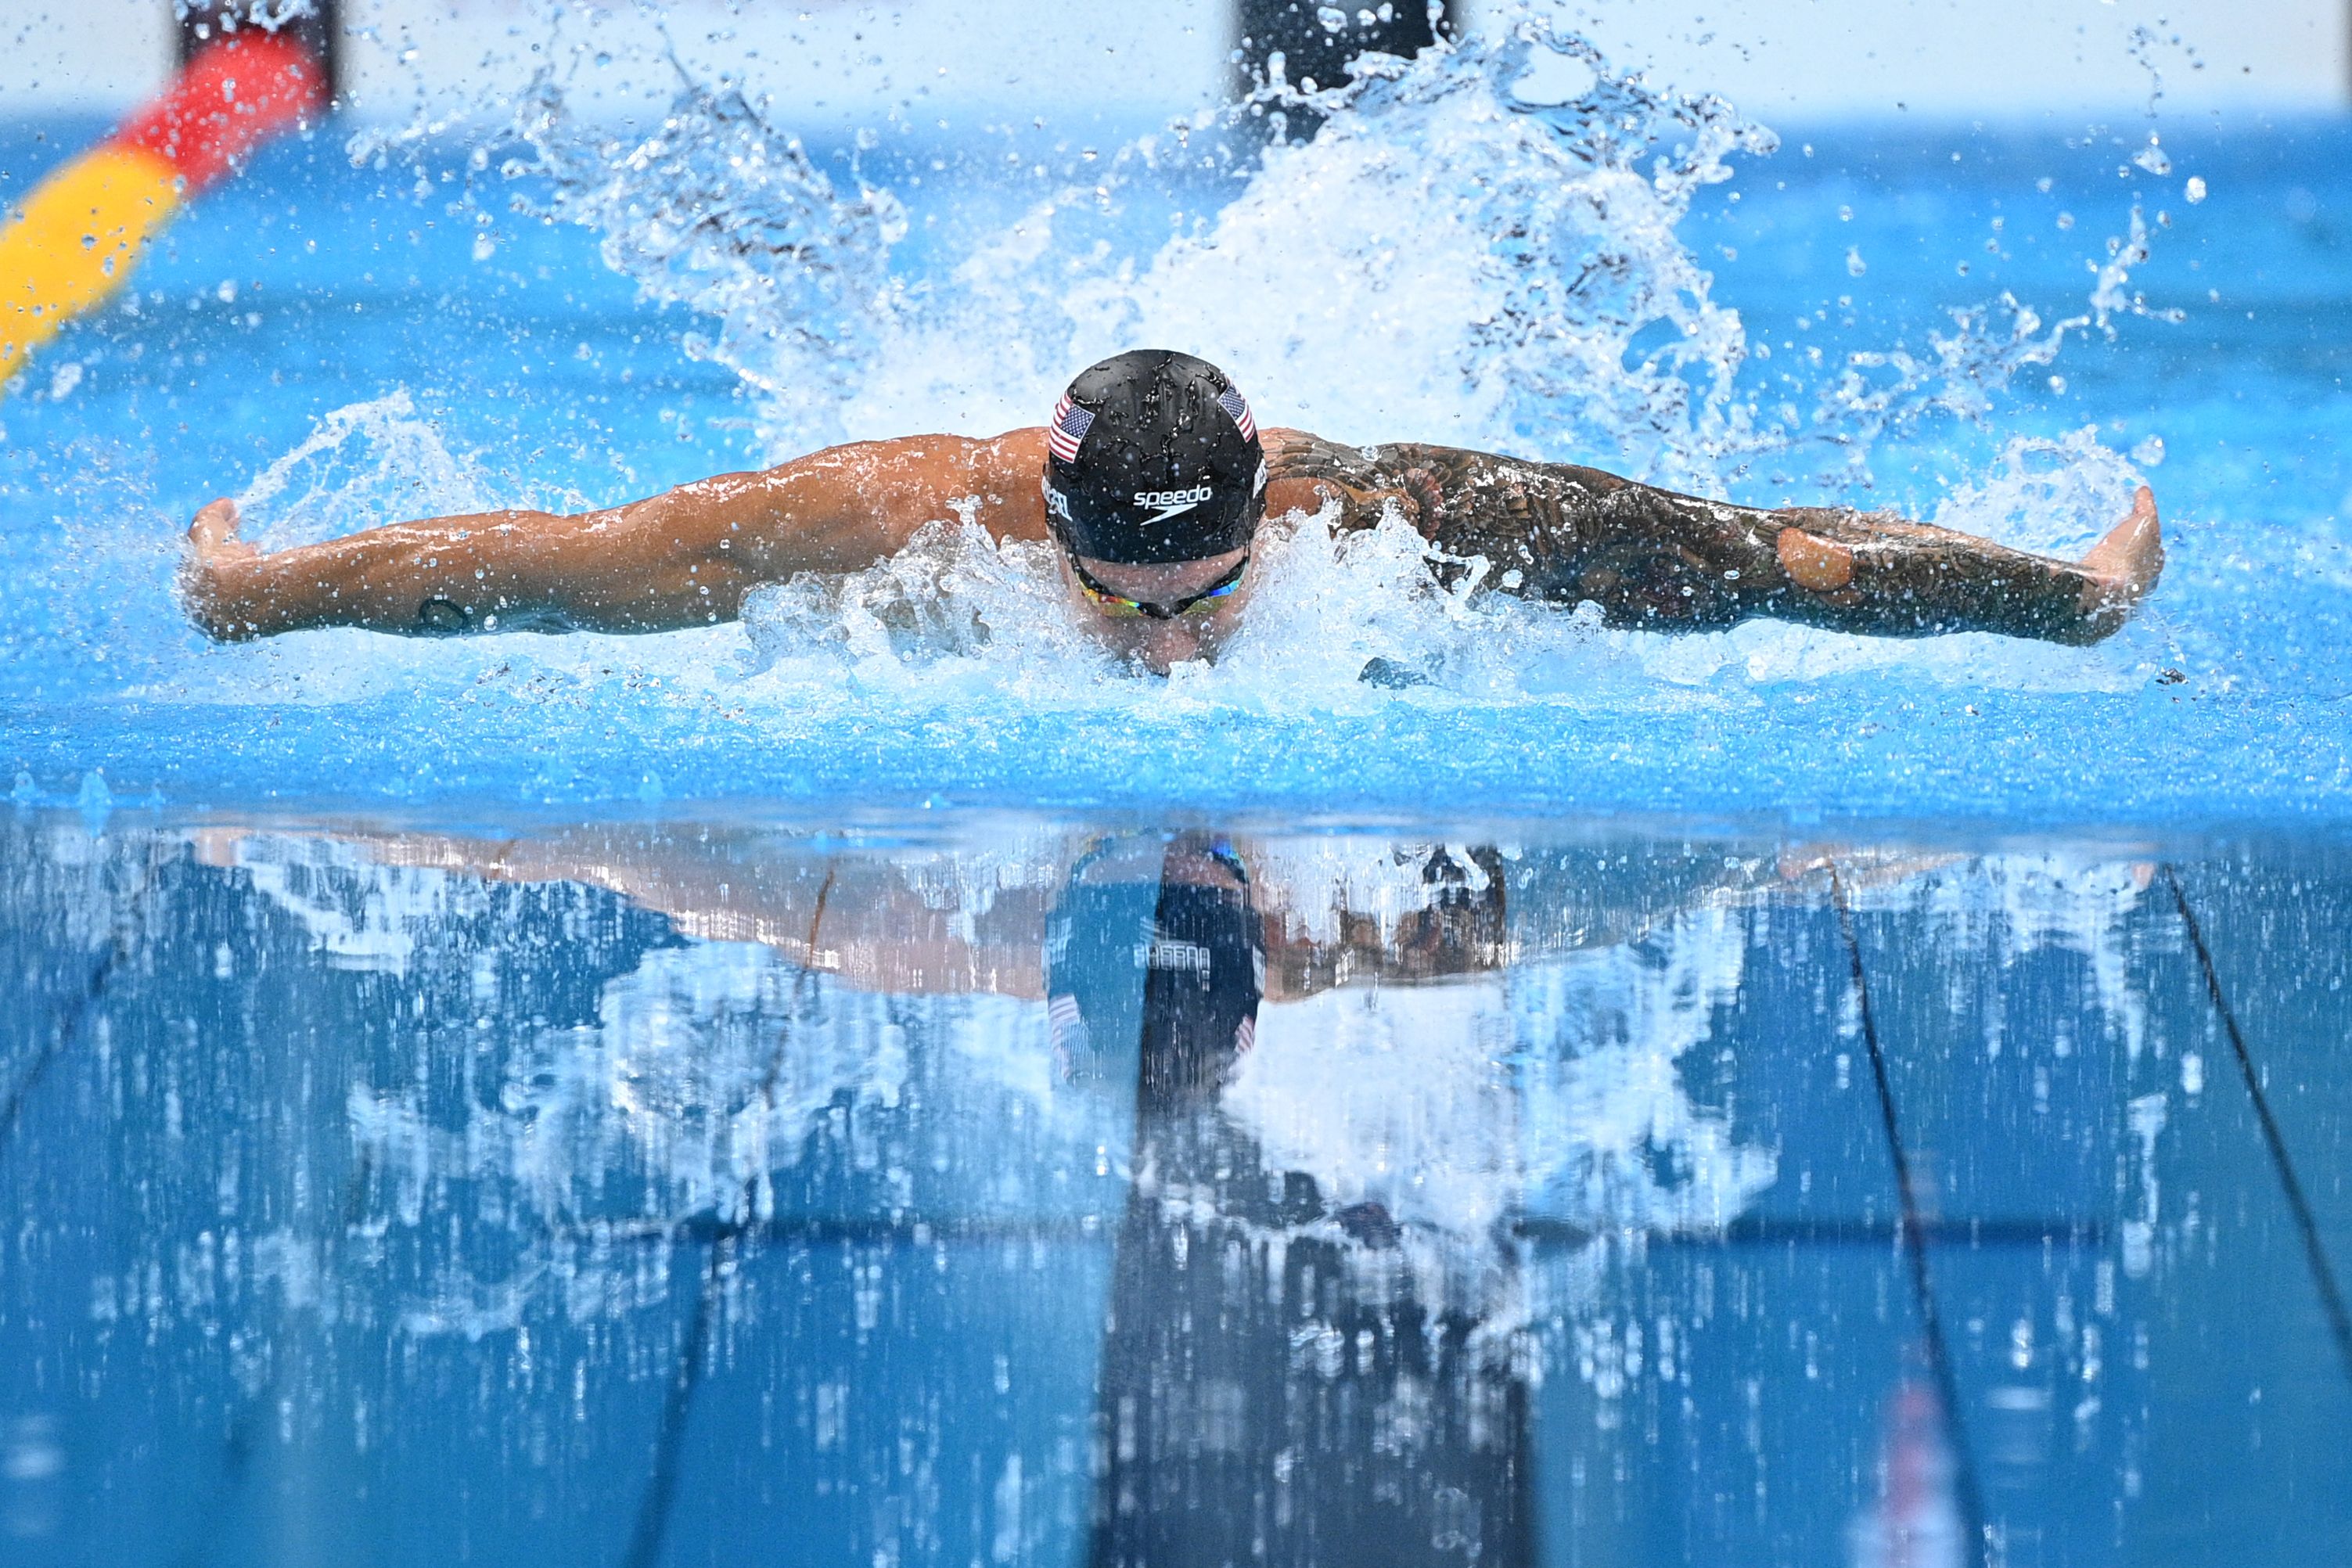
(319, 27)
(1313, 51)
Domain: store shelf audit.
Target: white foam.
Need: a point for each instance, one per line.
(1394, 1095)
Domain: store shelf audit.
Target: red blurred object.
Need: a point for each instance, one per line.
(232, 96)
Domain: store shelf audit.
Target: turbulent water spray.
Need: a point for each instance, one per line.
(717, 210)
(361, 464)
(1894, 392)
(1992, 345)
(721, 212)
(1481, 244)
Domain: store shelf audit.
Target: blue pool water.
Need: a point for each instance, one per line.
(714, 1192)
(347, 345)
(875, 1085)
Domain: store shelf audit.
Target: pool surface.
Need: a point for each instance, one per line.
(720, 1192)
(880, 1085)
(1873, 314)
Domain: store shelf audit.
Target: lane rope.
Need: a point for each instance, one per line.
(76, 237)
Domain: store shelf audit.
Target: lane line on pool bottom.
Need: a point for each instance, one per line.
(129, 926)
(645, 1541)
(678, 1403)
(1911, 1236)
(1540, 1231)
(2323, 1271)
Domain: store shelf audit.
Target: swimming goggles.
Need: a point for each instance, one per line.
(1119, 607)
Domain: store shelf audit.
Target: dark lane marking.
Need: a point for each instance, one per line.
(67, 1028)
(2323, 1273)
(661, 1485)
(75, 1015)
(1542, 1231)
(1913, 1240)
(1766, 1230)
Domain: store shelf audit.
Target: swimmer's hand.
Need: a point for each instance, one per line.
(217, 575)
(2123, 567)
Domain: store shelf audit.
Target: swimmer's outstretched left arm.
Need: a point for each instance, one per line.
(1657, 559)
(685, 558)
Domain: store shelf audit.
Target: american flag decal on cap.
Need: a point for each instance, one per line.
(1067, 428)
(1235, 404)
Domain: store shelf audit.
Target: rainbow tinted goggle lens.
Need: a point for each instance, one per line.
(1119, 607)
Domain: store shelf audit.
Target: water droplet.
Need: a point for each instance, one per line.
(95, 800)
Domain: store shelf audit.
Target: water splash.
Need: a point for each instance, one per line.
(362, 465)
(725, 214)
(1494, 258)
(2053, 496)
(953, 595)
(1500, 255)
(1476, 266)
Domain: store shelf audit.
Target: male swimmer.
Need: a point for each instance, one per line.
(1152, 479)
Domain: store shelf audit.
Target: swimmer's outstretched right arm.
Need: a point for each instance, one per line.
(685, 558)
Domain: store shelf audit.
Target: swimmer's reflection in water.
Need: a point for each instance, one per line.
(1152, 481)
(1297, 1367)
(1267, 1393)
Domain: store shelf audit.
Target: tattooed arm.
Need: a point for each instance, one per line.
(1659, 560)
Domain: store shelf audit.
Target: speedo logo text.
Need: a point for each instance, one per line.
(1172, 502)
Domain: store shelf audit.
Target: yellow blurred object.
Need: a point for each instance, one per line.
(75, 240)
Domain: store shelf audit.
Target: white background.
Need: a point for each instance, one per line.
(835, 61)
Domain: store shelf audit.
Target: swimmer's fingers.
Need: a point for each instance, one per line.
(213, 534)
(2125, 564)
(214, 552)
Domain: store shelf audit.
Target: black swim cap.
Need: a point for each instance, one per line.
(1152, 457)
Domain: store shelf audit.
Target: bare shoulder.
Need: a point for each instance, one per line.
(994, 479)
(1005, 474)
(844, 507)
(1022, 449)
